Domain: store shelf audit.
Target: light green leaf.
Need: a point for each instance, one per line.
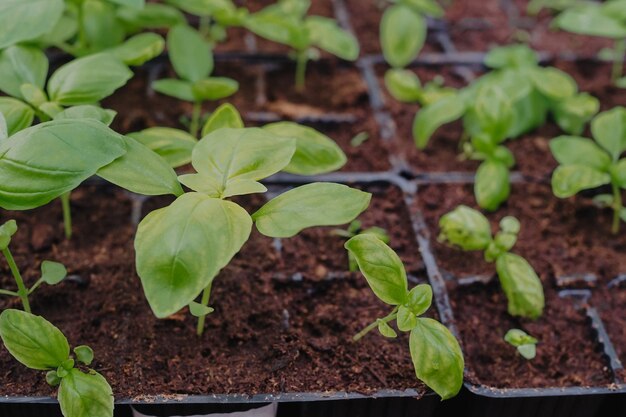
(609, 130)
(199, 310)
(17, 114)
(382, 269)
(492, 186)
(420, 299)
(511, 56)
(402, 35)
(437, 357)
(491, 113)
(142, 171)
(4, 130)
(315, 153)
(88, 111)
(84, 354)
(403, 85)
(573, 113)
(521, 285)
(386, 330)
(225, 115)
(279, 28)
(174, 145)
(329, 36)
(620, 172)
(568, 180)
(22, 20)
(466, 228)
(152, 16)
(214, 88)
(189, 53)
(85, 395)
(517, 337)
(137, 4)
(589, 19)
(33, 340)
(87, 80)
(181, 248)
(201, 7)
(22, 65)
(52, 272)
(406, 320)
(553, 83)
(574, 150)
(101, 27)
(528, 351)
(7, 230)
(317, 204)
(139, 49)
(180, 89)
(427, 7)
(433, 116)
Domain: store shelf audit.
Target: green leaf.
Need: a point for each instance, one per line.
(52, 272)
(84, 354)
(589, 19)
(34, 95)
(181, 248)
(574, 150)
(381, 267)
(620, 172)
(431, 117)
(420, 299)
(152, 16)
(199, 310)
(22, 20)
(85, 395)
(87, 80)
(189, 53)
(572, 113)
(101, 27)
(141, 171)
(64, 29)
(528, 351)
(315, 153)
(137, 4)
(4, 130)
(17, 114)
(43, 162)
(180, 89)
(317, 204)
(214, 88)
(277, 27)
(225, 116)
(326, 34)
(511, 56)
(7, 230)
(492, 113)
(227, 157)
(568, 180)
(386, 330)
(521, 285)
(492, 186)
(406, 320)
(402, 35)
(173, 145)
(437, 357)
(517, 337)
(139, 49)
(609, 130)
(553, 83)
(403, 85)
(200, 7)
(427, 7)
(22, 65)
(466, 228)
(33, 340)
(88, 111)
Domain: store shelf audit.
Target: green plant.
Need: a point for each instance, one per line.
(535, 6)
(525, 343)
(515, 98)
(39, 345)
(192, 60)
(469, 230)
(181, 248)
(354, 229)
(51, 272)
(287, 22)
(587, 164)
(435, 352)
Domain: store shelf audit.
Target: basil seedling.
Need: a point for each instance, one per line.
(526, 344)
(354, 229)
(286, 22)
(436, 354)
(51, 272)
(39, 345)
(587, 164)
(192, 60)
(204, 230)
(469, 230)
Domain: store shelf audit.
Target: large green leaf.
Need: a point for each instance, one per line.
(189, 53)
(22, 65)
(22, 20)
(609, 130)
(402, 34)
(327, 35)
(85, 395)
(589, 19)
(43, 162)
(174, 145)
(553, 83)
(521, 285)
(437, 357)
(181, 248)
(317, 204)
(315, 153)
(33, 340)
(574, 150)
(88, 111)
(573, 113)
(101, 27)
(492, 186)
(4, 130)
(466, 228)
(430, 118)
(87, 80)
(152, 16)
(381, 267)
(139, 49)
(568, 180)
(18, 115)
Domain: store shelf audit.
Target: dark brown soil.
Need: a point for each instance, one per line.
(611, 303)
(266, 335)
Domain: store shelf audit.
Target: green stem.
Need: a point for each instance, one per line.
(37, 284)
(206, 294)
(391, 316)
(301, 61)
(618, 59)
(204, 26)
(67, 214)
(617, 207)
(9, 293)
(22, 292)
(195, 119)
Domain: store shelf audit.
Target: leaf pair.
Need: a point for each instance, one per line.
(436, 355)
(526, 344)
(470, 230)
(37, 344)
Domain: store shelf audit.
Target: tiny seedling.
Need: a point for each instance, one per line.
(469, 230)
(51, 272)
(526, 344)
(591, 163)
(436, 354)
(286, 22)
(192, 59)
(354, 229)
(37, 344)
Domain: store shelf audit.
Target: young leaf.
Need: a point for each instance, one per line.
(420, 299)
(33, 340)
(152, 16)
(430, 118)
(190, 53)
(521, 285)
(22, 20)
(492, 186)
(589, 19)
(402, 34)
(427, 7)
(511, 56)
(609, 130)
(17, 114)
(406, 320)
(553, 83)
(403, 85)
(437, 357)
(7, 230)
(22, 65)
(317, 204)
(568, 180)
(173, 145)
(573, 113)
(88, 111)
(466, 228)
(327, 35)
(52, 272)
(199, 310)
(101, 28)
(315, 153)
(214, 88)
(225, 116)
(386, 330)
(85, 395)
(381, 267)
(181, 248)
(180, 89)
(524, 342)
(573, 150)
(84, 354)
(139, 49)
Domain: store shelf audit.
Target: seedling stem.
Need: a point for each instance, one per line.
(617, 207)
(373, 325)
(301, 60)
(206, 294)
(22, 291)
(195, 119)
(67, 214)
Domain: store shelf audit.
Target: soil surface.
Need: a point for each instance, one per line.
(267, 335)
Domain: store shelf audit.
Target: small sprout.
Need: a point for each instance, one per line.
(53, 379)
(525, 343)
(354, 229)
(359, 139)
(84, 354)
